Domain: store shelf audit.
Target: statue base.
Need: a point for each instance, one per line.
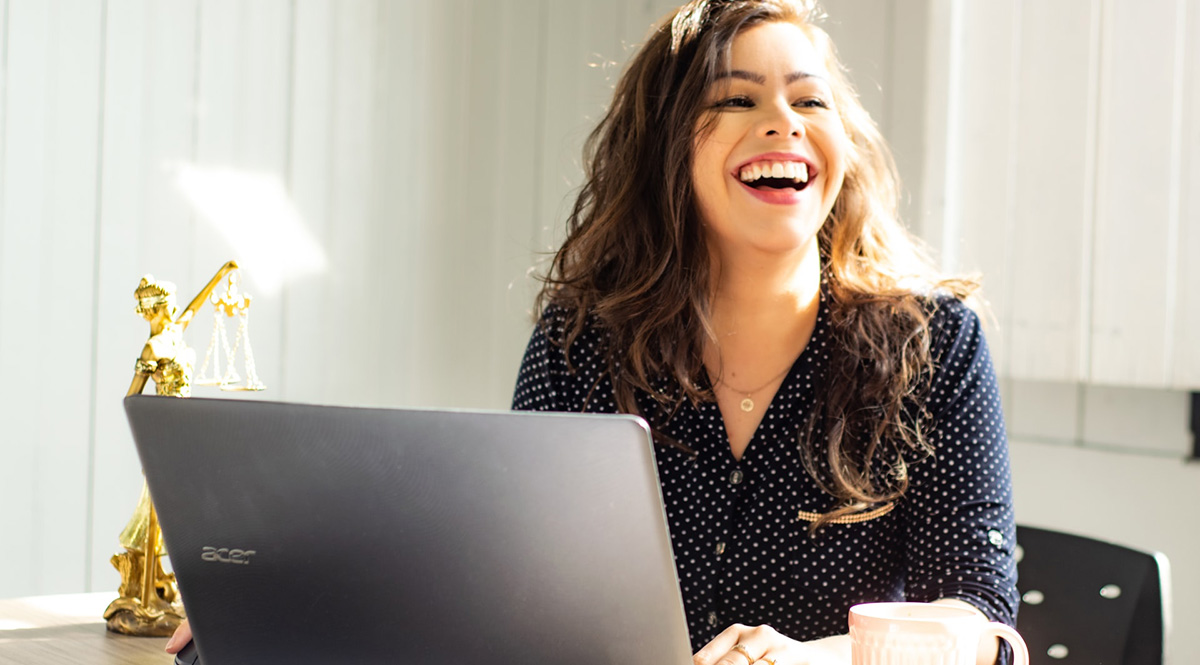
(129, 615)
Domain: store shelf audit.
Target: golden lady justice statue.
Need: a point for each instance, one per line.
(149, 604)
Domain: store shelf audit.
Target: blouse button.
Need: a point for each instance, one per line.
(995, 538)
(712, 619)
(735, 478)
(720, 548)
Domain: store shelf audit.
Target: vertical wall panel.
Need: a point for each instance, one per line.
(1131, 276)
(68, 265)
(867, 25)
(46, 296)
(145, 227)
(942, 70)
(14, 458)
(242, 101)
(1186, 367)
(509, 210)
(906, 99)
(169, 116)
(263, 135)
(581, 40)
(980, 174)
(453, 347)
(3, 165)
(353, 293)
(466, 225)
(25, 170)
(476, 235)
(407, 143)
(305, 342)
(1051, 243)
(220, 85)
(116, 478)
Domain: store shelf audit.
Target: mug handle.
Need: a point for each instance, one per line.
(1014, 639)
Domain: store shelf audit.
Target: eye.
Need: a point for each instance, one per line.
(811, 103)
(737, 102)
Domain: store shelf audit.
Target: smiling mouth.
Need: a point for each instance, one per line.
(774, 176)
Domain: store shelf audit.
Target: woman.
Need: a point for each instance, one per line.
(734, 271)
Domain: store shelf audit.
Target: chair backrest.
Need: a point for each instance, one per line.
(1089, 601)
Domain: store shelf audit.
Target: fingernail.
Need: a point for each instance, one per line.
(171, 643)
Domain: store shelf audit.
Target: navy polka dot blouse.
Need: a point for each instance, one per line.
(742, 549)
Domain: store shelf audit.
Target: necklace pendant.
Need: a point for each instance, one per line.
(747, 405)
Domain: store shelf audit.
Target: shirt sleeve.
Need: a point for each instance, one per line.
(537, 387)
(960, 529)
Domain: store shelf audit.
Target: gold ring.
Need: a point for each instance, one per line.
(741, 648)
(768, 660)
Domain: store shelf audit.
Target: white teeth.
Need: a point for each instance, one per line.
(796, 171)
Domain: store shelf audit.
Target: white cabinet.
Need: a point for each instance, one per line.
(1072, 183)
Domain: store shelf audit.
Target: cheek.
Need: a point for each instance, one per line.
(708, 162)
(839, 156)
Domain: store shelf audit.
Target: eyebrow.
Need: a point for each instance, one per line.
(761, 80)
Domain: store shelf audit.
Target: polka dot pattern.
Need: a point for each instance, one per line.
(741, 553)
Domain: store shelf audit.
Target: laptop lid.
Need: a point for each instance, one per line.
(414, 536)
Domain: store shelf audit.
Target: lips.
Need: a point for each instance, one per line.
(776, 177)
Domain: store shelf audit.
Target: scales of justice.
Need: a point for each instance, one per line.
(149, 603)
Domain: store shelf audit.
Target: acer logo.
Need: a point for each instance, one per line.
(226, 555)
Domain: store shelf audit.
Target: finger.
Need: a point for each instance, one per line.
(761, 634)
(741, 653)
(752, 644)
(786, 653)
(744, 651)
(720, 646)
(769, 658)
(183, 635)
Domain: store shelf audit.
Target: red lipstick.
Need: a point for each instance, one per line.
(785, 196)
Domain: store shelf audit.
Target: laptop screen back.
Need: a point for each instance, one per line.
(313, 534)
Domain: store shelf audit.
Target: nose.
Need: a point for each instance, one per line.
(782, 122)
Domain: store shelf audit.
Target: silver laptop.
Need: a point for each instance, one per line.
(411, 536)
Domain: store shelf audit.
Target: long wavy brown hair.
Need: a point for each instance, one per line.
(635, 260)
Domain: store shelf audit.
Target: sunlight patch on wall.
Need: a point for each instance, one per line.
(255, 215)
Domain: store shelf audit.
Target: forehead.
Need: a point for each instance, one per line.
(776, 48)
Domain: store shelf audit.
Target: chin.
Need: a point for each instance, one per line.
(798, 242)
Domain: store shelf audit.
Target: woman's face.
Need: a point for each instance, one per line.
(769, 171)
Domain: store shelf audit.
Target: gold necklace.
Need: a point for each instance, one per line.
(747, 403)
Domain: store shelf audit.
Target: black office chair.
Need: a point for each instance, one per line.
(1088, 601)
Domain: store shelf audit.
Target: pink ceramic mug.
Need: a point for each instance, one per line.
(930, 634)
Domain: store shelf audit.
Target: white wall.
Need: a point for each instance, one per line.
(430, 150)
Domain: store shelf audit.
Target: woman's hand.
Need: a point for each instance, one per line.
(763, 645)
(183, 635)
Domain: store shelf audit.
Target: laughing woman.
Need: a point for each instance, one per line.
(828, 424)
